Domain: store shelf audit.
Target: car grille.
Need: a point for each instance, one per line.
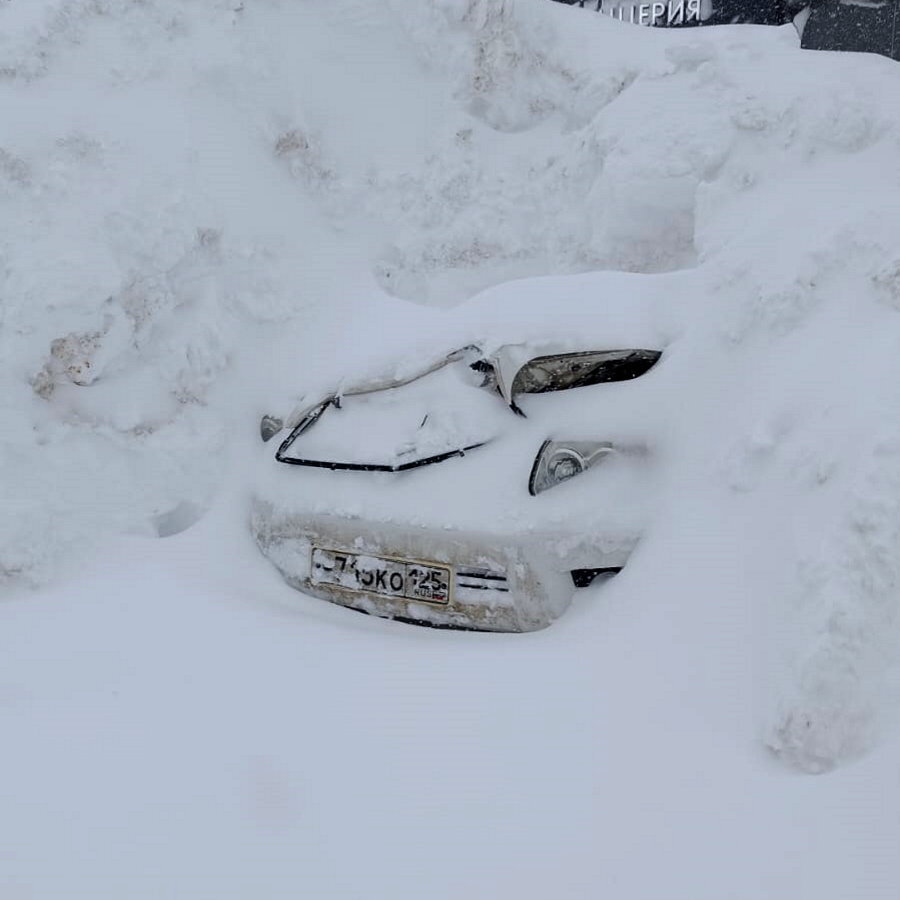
(482, 580)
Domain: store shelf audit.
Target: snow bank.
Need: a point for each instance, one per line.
(197, 195)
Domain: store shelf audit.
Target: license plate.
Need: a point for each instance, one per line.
(399, 578)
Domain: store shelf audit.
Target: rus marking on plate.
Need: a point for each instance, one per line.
(400, 578)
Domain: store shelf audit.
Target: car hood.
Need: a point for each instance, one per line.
(446, 410)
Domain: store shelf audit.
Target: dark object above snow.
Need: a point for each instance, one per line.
(867, 26)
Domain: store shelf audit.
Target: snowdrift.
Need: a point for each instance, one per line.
(199, 197)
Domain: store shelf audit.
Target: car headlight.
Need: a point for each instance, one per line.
(558, 461)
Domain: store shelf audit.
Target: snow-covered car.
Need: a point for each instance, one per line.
(869, 26)
(447, 495)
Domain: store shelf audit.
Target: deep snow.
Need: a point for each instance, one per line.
(209, 208)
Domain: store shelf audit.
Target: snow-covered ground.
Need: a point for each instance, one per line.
(208, 207)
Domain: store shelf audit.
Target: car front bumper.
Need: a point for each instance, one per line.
(512, 583)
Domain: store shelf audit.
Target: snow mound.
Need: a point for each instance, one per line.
(197, 195)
